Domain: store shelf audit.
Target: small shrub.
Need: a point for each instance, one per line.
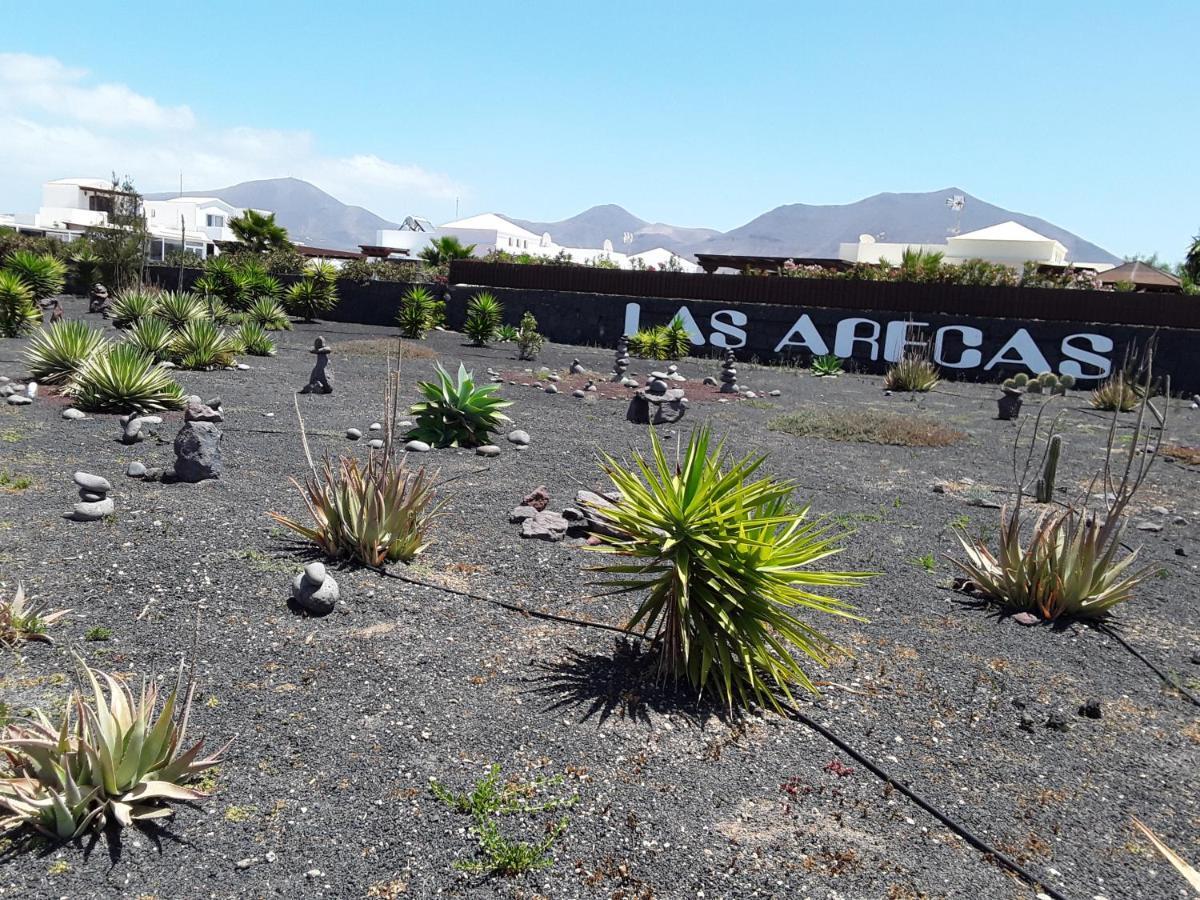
(827, 366)
(484, 312)
(677, 341)
(867, 427)
(252, 339)
(202, 345)
(374, 512)
(311, 296)
(124, 379)
(529, 342)
(724, 561)
(1116, 394)
(179, 309)
(650, 343)
(99, 633)
(416, 312)
(914, 372)
(21, 620)
(269, 314)
(457, 412)
(113, 757)
(56, 353)
(507, 334)
(131, 306)
(18, 313)
(44, 274)
(153, 337)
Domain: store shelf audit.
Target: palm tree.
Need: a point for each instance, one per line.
(259, 231)
(1191, 263)
(442, 250)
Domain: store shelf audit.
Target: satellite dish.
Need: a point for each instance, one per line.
(866, 238)
(607, 246)
(545, 242)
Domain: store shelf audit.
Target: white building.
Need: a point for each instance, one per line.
(193, 223)
(490, 232)
(662, 258)
(1009, 243)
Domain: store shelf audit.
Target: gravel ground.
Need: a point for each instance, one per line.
(341, 722)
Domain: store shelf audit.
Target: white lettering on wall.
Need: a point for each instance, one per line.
(633, 316)
(726, 324)
(896, 340)
(968, 359)
(1075, 355)
(810, 338)
(1027, 354)
(847, 336)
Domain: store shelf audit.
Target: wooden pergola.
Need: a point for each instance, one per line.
(1142, 277)
(710, 262)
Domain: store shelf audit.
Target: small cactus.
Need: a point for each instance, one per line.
(1010, 384)
(1034, 386)
(1020, 379)
(1048, 380)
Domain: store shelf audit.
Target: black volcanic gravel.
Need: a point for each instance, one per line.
(341, 722)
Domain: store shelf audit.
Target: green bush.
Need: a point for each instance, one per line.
(44, 274)
(254, 340)
(314, 294)
(650, 343)
(56, 353)
(200, 344)
(827, 366)
(131, 306)
(457, 412)
(677, 341)
(529, 342)
(724, 561)
(179, 309)
(416, 312)
(124, 379)
(151, 336)
(268, 314)
(484, 313)
(18, 313)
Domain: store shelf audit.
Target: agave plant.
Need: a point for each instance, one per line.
(18, 312)
(415, 312)
(723, 561)
(1115, 394)
(483, 318)
(21, 620)
(202, 345)
(124, 379)
(456, 411)
(311, 296)
(113, 757)
(374, 512)
(267, 313)
(914, 372)
(56, 353)
(827, 366)
(152, 337)
(249, 284)
(132, 306)
(44, 274)
(254, 340)
(649, 343)
(507, 334)
(178, 309)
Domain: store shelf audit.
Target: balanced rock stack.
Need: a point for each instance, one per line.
(729, 383)
(577, 368)
(98, 300)
(657, 403)
(320, 379)
(315, 590)
(135, 428)
(94, 502)
(198, 444)
(621, 363)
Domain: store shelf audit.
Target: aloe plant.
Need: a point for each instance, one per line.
(456, 412)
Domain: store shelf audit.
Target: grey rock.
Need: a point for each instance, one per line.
(242, 367)
(1091, 709)
(774, 393)
(74, 414)
(353, 434)
(551, 389)
(1149, 526)
(31, 390)
(1027, 723)
(93, 483)
(1026, 618)
(579, 393)
(521, 513)
(214, 402)
(375, 426)
(518, 437)
(552, 377)
(85, 511)
(196, 411)
(136, 470)
(166, 364)
(1179, 520)
(751, 395)
(315, 590)
(1160, 510)
(573, 515)
(545, 525)
(1196, 658)
(710, 381)
(416, 447)
(19, 400)
(1058, 721)
(153, 473)
(488, 450)
(198, 452)
(375, 444)
(89, 497)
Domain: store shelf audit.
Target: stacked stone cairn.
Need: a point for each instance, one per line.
(94, 503)
(729, 383)
(99, 301)
(198, 444)
(315, 590)
(135, 428)
(320, 380)
(657, 403)
(621, 364)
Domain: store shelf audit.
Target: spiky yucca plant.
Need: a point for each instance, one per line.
(44, 274)
(724, 562)
(374, 512)
(124, 379)
(202, 345)
(21, 620)
(254, 340)
(112, 757)
(151, 336)
(484, 312)
(827, 366)
(507, 334)
(133, 305)
(1116, 394)
(678, 343)
(914, 372)
(457, 412)
(56, 353)
(415, 312)
(269, 314)
(178, 309)
(18, 313)
(650, 343)
(310, 297)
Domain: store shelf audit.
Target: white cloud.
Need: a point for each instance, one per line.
(57, 121)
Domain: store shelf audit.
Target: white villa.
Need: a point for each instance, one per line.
(1009, 243)
(490, 232)
(72, 205)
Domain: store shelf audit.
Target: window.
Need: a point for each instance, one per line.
(100, 203)
(215, 221)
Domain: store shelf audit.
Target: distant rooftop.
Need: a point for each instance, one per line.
(1005, 231)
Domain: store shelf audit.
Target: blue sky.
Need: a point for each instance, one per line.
(691, 113)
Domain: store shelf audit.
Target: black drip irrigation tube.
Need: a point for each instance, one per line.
(792, 712)
(1169, 682)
